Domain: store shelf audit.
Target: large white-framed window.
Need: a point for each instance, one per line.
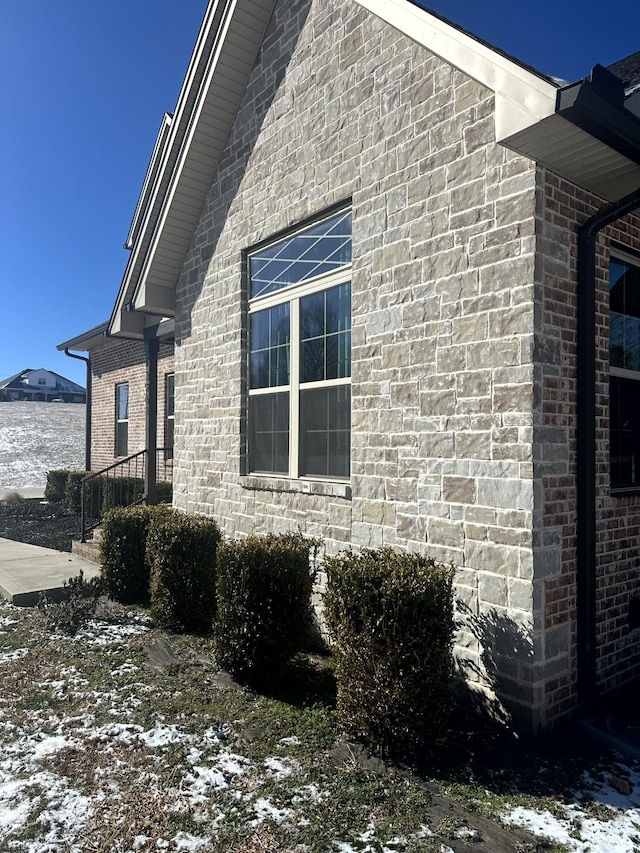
(122, 420)
(624, 371)
(299, 409)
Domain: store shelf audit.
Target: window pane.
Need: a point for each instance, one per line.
(325, 347)
(279, 367)
(122, 438)
(339, 308)
(624, 415)
(168, 439)
(312, 364)
(122, 402)
(624, 301)
(312, 319)
(323, 248)
(170, 393)
(339, 356)
(624, 342)
(259, 330)
(344, 356)
(259, 369)
(269, 433)
(325, 431)
(269, 342)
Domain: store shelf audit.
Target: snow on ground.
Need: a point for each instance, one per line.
(64, 771)
(39, 437)
(612, 828)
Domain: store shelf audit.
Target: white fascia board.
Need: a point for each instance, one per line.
(522, 98)
(150, 179)
(214, 9)
(127, 324)
(156, 299)
(207, 86)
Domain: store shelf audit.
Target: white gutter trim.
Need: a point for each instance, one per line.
(150, 179)
(522, 97)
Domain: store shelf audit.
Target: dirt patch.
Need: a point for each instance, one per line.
(38, 523)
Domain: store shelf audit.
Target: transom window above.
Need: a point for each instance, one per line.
(320, 249)
(300, 353)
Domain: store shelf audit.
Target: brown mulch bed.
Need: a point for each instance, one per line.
(38, 523)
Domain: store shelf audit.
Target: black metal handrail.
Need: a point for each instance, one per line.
(119, 484)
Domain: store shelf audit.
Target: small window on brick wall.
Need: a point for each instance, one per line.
(122, 420)
(169, 415)
(624, 370)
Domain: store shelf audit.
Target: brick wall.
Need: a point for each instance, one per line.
(114, 362)
(563, 207)
(341, 105)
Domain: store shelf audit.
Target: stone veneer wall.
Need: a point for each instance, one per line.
(341, 105)
(114, 362)
(563, 207)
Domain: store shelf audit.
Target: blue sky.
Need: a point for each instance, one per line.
(84, 87)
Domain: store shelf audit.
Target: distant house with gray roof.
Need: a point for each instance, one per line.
(42, 386)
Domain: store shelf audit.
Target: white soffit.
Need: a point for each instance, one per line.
(522, 97)
(247, 21)
(574, 154)
(229, 65)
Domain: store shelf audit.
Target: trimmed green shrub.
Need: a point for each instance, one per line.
(165, 492)
(72, 489)
(390, 616)
(54, 491)
(264, 603)
(121, 491)
(125, 570)
(93, 493)
(181, 552)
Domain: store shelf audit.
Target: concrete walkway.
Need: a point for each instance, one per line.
(27, 570)
(27, 494)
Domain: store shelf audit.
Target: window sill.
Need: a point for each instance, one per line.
(628, 492)
(323, 488)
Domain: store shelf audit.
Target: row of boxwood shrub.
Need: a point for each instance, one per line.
(389, 614)
(264, 603)
(253, 595)
(102, 493)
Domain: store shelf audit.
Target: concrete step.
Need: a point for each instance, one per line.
(27, 570)
(87, 550)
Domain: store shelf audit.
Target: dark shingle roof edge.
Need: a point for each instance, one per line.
(548, 77)
(627, 70)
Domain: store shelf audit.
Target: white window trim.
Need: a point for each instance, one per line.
(292, 295)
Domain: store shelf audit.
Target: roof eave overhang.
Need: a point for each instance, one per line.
(87, 340)
(530, 118)
(225, 54)
(592, 139)
(149, 181)
(581, 132)
(523, 95)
